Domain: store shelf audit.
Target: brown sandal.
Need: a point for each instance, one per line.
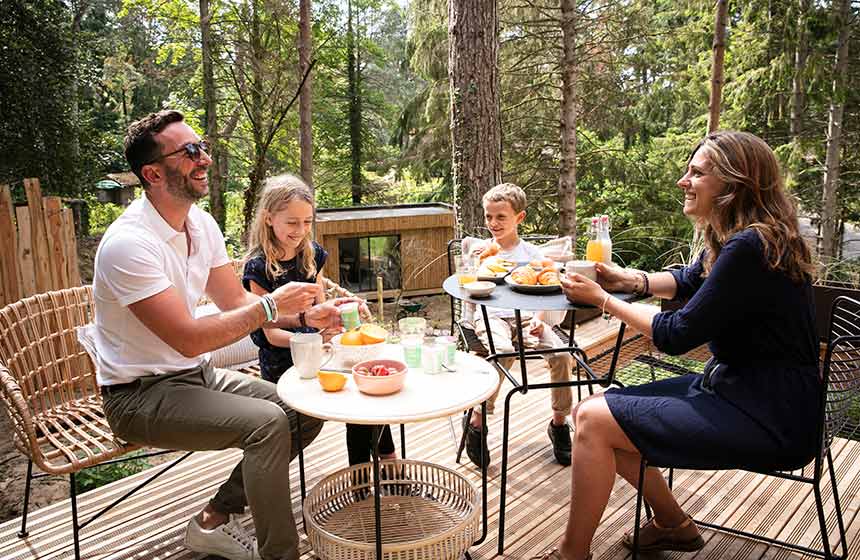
(683, 538)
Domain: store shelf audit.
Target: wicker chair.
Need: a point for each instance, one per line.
(48, 387)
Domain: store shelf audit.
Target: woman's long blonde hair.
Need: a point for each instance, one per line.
(753, 197)
(277, 193)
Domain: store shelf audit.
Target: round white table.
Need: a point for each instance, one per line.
(423, 397)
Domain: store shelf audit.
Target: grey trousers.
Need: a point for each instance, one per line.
(205, 409)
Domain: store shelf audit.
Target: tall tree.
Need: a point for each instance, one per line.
(830, 193)
(719, 55)
(305, 123)
(353, 65)
(210, 101)
(473, 50)
(801, 53)
(567, 173)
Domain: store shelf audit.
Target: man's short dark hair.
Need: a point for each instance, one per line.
(140, 145)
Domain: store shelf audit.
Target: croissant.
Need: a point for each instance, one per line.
(524, 275)
(548, 277)
(492, 249)
(539, 264)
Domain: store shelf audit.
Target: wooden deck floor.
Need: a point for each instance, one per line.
(151, 524)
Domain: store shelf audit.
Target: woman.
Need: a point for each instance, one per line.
(750, 298)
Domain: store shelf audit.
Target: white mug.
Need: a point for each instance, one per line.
(309, 353)
(586, 268)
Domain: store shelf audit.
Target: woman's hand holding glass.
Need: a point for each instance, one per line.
(580, 289)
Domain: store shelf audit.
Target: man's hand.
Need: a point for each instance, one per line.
(324, 316)
(295, 297)
(330, 333)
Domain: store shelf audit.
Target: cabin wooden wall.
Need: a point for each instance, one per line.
(423, 244)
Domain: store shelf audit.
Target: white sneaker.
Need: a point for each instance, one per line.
(229, 540)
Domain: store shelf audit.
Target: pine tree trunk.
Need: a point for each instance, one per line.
(567, 173)
(258, 170)
(354, 77)
(830, 194)
(801, 53)
(210, 100)
(717, 66)
(305, 129)
(473, 51)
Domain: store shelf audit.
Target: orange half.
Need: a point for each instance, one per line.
(372, 334)
(331, 380)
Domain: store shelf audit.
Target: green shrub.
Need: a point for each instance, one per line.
(89, 479)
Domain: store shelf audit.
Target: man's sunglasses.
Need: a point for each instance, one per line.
(192, 150)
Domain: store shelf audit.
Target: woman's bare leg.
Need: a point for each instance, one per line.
(656, 491)
(598, 439)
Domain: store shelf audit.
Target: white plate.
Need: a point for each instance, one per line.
(529, 289)
(496, 277)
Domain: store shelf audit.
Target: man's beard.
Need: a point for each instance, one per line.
(180, 186)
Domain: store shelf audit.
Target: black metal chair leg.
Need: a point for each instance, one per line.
(639, 487)
(468, 415)
(75, 526)
(23, 532)
(822, 522)
(840, 522)
(504, 489)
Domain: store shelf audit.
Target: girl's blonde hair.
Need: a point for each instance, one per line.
(753, 197)
(277, 193)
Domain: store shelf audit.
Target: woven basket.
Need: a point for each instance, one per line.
(428, 512)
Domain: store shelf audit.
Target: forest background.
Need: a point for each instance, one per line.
(75, 73)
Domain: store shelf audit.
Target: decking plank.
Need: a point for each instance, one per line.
(151, 525)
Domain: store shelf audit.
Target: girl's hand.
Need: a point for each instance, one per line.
(580, 289)
(614, 278)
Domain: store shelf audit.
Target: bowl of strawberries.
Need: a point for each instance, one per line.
(379, 377)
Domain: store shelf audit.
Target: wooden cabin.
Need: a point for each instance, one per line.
(117, 188)
(404, 243)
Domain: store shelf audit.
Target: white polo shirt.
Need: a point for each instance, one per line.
(139, 256)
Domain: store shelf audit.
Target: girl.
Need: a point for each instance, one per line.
(280, 250)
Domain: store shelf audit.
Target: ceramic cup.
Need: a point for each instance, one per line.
(586, 268)
(309, 353)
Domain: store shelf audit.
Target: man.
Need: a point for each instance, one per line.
(153, 264)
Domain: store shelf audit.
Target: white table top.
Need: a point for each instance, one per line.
(423, 396)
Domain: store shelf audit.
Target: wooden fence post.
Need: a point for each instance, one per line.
(38, 236)
(58, 257)
(10, 286)
(71, 245)
(25, 251)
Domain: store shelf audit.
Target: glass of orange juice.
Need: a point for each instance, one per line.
(467, 269)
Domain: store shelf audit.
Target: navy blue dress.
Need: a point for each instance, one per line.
(761, 406)
(274, 360)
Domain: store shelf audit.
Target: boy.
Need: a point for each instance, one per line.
(504, 210)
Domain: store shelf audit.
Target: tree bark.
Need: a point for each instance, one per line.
(567, 173)
(830, 192)
(305, 129)
(473, 51)
(717, 66)
(210, 100)
(801, 53)
(258, 169)
(354, 94)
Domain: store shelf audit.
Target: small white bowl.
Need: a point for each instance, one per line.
(350, 354)
(479, 289)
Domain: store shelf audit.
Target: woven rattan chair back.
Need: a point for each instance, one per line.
(48, 383)
(841, 370)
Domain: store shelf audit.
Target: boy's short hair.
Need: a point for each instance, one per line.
(140, 145)
(507, 192)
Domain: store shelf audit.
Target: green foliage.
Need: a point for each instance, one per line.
(102, 214)
(92, 478)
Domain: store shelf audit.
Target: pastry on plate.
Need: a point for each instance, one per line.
(525, 275)
(548, 277)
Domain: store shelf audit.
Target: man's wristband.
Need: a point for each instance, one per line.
(302, 320)
(264, 303)
(271, 308)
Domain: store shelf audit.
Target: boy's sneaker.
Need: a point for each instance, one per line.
(229, 540)
(561, 445)
(476, 443)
